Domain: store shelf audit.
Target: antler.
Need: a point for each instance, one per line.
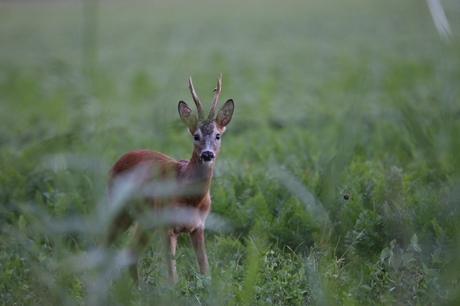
(195, 98)
(216, 97)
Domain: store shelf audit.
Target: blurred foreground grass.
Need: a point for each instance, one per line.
(336, 98)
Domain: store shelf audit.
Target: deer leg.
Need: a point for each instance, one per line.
(119, 225)
(197, 238)
(139, 240)
(170, 242)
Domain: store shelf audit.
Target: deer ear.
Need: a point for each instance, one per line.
(225, 114)
(187, 116)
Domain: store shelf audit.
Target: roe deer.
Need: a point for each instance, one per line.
(174, 194)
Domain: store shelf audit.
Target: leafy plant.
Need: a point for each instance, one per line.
(338, 180)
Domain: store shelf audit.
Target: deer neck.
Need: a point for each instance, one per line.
(199, 171)
(196, 177)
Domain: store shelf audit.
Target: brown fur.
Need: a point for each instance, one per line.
(182, 209)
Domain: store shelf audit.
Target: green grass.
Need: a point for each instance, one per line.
(332, 98)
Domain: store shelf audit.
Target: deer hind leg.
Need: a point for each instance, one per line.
(170, 243)
(140, 238)
(197, 238)
(119, 225)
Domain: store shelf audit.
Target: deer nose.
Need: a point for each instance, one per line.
(207, 156)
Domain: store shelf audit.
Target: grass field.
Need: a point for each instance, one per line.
(333, 99)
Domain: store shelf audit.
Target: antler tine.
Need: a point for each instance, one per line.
(196, 99)
(216, 97)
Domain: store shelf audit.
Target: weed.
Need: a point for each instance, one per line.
(338, 180)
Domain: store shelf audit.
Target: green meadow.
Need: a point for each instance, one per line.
(338, 181)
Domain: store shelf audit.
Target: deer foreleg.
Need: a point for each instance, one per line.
(197, 238)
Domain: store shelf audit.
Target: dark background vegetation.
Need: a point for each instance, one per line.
(338, 179)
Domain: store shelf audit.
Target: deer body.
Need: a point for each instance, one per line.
(175, 193)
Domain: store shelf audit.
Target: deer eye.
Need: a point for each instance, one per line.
(196, 137)
(218, 136)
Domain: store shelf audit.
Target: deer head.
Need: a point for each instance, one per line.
(206, 132)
